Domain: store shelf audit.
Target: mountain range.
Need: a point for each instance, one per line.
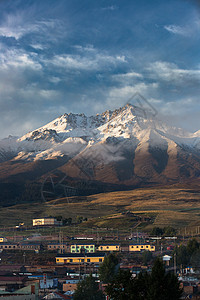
(114, 150)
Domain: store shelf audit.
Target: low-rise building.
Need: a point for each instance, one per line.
(80, 258)
(9, 246)
(70, 284)
(58, 246)
(47, 221)
(86, 247)
(109, 247)
(142, 247)
(3, 240)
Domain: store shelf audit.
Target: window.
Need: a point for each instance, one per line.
(87, 246)
(142, 246)
(88, 260)
(71, 260)
(107, 247)
(132, 247)
(147, 246)
(101, 248)
(137, 247)
(100, 259)
(73, 246)
(82, 260)
(9, 246)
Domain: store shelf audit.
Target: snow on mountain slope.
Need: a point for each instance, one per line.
(71, 133)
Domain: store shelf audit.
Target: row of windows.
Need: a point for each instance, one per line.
(56, 247)
(81, 260)
(107, 247)
(83, 246)
(142, 247)
(18, 247)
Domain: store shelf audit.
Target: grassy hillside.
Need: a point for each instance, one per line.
(175, 206)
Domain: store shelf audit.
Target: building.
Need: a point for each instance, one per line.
(3, 240)
(142, 247)
(9, 246)
(58, 246)
(20, 246)
(80, 258)
(166, 259)
(86, 247)
(70, 284)
(109, 247)
(30, 246)
(47, 221)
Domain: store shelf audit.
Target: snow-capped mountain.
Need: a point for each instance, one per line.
(119, 147)
(70, 133)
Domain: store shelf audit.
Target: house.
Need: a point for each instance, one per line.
(9, 246)
(30, 246)
(3, 239)
(142, 247)
(57, 295)
(80, 258)
(86, 247)
(46, 221)
(8, 283)
(109, 247)
(58, 246)
(70, 284)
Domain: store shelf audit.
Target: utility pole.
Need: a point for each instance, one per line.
(175, 263)
(24, 256)
(61, 241)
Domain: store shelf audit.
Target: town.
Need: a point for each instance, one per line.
(37, 265)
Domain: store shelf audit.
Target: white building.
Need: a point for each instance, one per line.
(48, 221)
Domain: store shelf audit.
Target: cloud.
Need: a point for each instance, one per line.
(176, 29)
(189, 30)
(112, 7)
(118, 96)
(170, 72)
(19, 59)
(17, 26)
(127, 76)
(87, 62)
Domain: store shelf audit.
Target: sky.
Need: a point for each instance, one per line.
(87, 56)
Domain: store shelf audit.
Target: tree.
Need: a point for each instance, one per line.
(192, 246)
(169, 231)
(181, 255)
(163, 286)
(157, 285)
(88, 289)
(146, 257)
(195, 259)
(121, 286)
(157, 231)
(108, 269)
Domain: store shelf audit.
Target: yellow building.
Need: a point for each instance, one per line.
(77, 248)
(138, 248)
(3, 239)
(46, 221)
(79, 258)
(109, 247)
